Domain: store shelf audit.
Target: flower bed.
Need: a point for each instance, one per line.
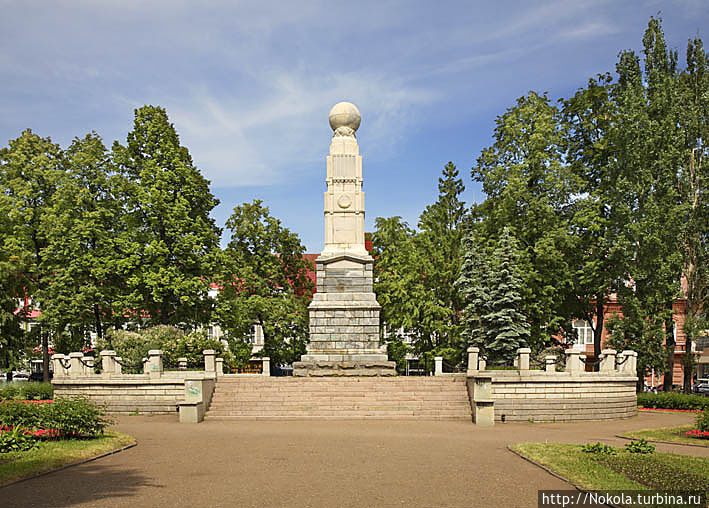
(669, 410)
(39, 433)
(700, 434)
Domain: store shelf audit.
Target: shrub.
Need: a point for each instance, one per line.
(703, 421)
(190, 346)
(16, 440)
(599, 449)
(640, 446)
(9, 391)
(70, 417)
(671, 400)
(73, 417)
(37, 391)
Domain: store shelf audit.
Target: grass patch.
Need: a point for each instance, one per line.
(56, 453)
(579, 468)
(623, 471)
(670, 434)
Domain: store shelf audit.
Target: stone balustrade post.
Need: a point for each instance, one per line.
(608, 360)
(75, 368)
(482, 363)
(473, 353)
(220, 367)
(57, 366)
(182, 363)
(573, 362)
(155, 363)
(438, 364)
(266, 366)
(630, 366)
(523, 355)
(108, 365)
(550, 363)
(209, 360)
(118, 366)
(146, 365)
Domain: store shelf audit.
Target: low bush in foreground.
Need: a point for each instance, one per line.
(622, 470)
(68, 417)
(671, 400)
(26, 391)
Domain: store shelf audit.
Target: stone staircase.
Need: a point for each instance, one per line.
(258, 397)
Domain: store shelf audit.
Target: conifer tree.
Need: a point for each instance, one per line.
(492, 285)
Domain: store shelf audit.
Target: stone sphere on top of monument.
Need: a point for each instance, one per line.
(344, 117)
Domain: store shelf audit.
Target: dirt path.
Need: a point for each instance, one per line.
(320, 464)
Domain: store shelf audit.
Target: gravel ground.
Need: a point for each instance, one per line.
(320, 464)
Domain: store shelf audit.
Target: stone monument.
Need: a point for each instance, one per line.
(344, 313)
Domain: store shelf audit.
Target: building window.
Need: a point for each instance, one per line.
(210, 332)
(584, 332)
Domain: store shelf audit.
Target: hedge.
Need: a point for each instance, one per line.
(26, 391)
(672, 400)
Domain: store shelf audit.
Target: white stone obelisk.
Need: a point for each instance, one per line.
(344, 313)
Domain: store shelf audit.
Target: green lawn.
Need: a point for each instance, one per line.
(624, 471)
(53, 454)
(670, 434)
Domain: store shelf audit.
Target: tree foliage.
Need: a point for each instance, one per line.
(491, 284)
(530, 189)
(415, 272)
(265, 282)
(173, 251)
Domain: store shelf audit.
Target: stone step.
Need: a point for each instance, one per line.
(342, 416)
(443, 397)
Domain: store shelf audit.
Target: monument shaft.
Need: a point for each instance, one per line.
(344, 313)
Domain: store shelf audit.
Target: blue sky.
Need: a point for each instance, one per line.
(249, 85)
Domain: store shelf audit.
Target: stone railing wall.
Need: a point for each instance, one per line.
(524, 394)
(155, 391)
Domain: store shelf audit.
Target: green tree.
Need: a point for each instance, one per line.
(648, 147)
(174, 250)
(399, 285)
(492, 286)
(530, 188)
(415, 274)
(265, 281)
(30, 171)
(12, 339)
(693, 177)
(85, 231)
(600, 213)
(439, 245)
(636, 330)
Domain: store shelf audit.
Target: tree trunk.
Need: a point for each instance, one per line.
(598, 331)
(670, 343)
(99, 327)
(45, 356)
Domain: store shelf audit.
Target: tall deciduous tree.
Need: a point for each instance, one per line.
(30, 171)
(648, 140)
(265, 281)
(531, 189)
(11, 290)
(600, 212)
(85, 231)
(175, 245)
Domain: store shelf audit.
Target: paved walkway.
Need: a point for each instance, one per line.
(320, 464)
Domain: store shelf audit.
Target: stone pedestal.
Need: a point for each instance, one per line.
(344, 313)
